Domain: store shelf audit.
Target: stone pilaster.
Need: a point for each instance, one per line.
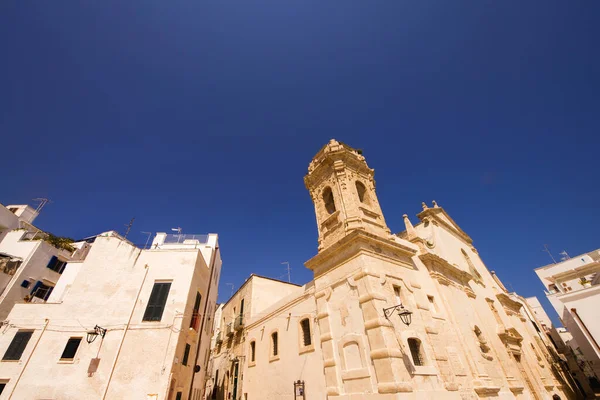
(387, 357)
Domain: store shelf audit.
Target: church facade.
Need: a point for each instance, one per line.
(415, 315)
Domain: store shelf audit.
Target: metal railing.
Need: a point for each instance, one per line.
(185, 238)
(229, 329)
(238, 323)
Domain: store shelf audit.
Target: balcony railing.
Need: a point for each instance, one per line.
(195, 322)
(229, 329)
(219, 338)
(185, 239)
(238, 323)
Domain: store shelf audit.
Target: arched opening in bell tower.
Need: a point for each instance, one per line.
(328, 200)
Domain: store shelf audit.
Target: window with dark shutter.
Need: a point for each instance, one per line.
(157, 301)
(305, 324)
(186, 354)
(41, 291)
(56, 265)
(414, 345)
(274, 340)
(252, 351)
(17, 346)
(70, 349)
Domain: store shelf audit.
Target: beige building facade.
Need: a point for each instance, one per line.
(573, 288)
(415, 315)
(122, 323)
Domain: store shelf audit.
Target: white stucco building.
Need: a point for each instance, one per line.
(573, 288)
(414, 315)
(30, 265)
(122, 323)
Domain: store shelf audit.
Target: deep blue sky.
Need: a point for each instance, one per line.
(205, 114)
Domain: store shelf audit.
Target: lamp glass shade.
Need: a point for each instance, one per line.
(405, 316)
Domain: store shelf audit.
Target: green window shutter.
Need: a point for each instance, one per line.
(157, 301)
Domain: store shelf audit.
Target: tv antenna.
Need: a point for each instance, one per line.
(565, 255)
(148, 239)
(230, 284)
(550, 254)
(288, 271)
(43, 201)
(129, 227)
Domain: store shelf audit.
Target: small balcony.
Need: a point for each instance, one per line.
(219, 338)
(229, 329)
(238, 323)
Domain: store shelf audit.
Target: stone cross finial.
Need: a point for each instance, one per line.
(424, 206)
(435, 204)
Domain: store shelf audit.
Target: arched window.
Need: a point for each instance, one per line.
(416, 352)
(329, 201)
(362, 192)
(306, 337)
(252, 351)
(274, 344)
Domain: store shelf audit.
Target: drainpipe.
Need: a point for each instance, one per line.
(125, 333)
(585, 329)
(212, 268)
(28, 358)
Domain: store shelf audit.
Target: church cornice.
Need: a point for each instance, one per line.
(361, 242)
(446, 273)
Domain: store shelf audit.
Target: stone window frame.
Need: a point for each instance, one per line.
(301, 347)
(251, 362)
(356, 373)
(429, 361)
(271, 348)
(435, 307)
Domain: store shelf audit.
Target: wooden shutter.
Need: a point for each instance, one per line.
(305, 323)
(17, 346)
(157, 301)
(186, 354)
(52, 262)
(70, 349)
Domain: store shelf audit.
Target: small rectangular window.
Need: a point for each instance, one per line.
(186, 354)
(274, 340)
(2, 386)
(56, 265)
(17, 346)
(415, 351)
(252, 351)
(41, 290)
(433, 305)
(70, 349)
(157, 301)
(179, 394)
(397, 295)
(306, 337)
(25, 284)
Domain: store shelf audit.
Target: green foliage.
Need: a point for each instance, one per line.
(59, 242)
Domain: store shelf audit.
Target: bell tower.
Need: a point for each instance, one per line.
(342, 189)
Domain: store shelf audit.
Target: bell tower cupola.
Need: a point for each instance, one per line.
(342, 189)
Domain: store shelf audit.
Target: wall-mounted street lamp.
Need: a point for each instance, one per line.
(403, 313)
(94, 333)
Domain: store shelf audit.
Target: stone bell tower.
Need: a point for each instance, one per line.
(342, 188)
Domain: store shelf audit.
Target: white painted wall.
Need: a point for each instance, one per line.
(136, 359)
